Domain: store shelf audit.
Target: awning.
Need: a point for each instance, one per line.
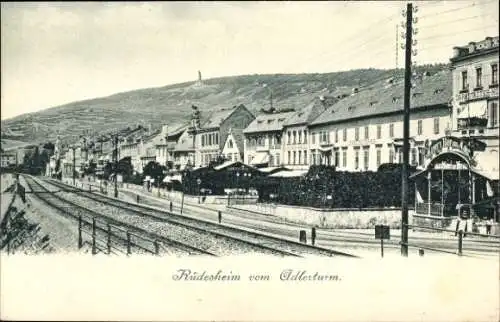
(473, 110)
(288, 174)
(226, 164)
(272, 169)
(487, 164)
(172, 178)
(326, 149)
(260, 158)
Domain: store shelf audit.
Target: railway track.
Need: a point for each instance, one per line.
(219, 231)
(110, 231)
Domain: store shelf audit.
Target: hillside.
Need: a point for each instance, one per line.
(172, 103)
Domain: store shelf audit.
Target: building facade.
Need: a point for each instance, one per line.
(233, 148)
(475, 91)
(365, 130)
(210, 133)
(263, 144)
(296, 140)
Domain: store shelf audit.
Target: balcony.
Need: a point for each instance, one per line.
(486, 93)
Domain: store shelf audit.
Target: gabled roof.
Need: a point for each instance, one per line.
(311, 111)
(268, 122)
(216, 118)
(379, 100)
(238, 137)
(185, 144)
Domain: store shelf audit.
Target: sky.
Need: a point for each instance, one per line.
(56, 53)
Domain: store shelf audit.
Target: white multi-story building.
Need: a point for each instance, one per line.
(263, 139)
(364, 130)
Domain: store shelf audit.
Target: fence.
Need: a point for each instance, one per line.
(114, 236)
(460, 233)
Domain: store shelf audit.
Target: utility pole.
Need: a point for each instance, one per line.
(116, 165)
(74, 164)
(406, 131)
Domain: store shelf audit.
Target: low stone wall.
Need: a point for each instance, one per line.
(176, 196)
(331, 218)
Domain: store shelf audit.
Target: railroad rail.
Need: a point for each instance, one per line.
(110, 229)
(256, 239)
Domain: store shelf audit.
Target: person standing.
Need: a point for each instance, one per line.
(489, 222)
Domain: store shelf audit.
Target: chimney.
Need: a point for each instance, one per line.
(164, 131)
(354, 90)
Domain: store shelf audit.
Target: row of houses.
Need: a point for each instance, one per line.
(355, 132)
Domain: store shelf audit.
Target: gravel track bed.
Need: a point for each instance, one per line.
(252, 237)
(282, 245)
(101, 235)
(217, 245)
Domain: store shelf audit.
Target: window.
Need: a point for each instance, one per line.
(305, 157)
(313, 138)
(289, 137)
(379, 157)
(277, 159)
(356, 159)
(271, 160)
(344, 134)
(479, 76)
(323, 137)
(336, 136)
(494, 74)
(305, 136)
(210, 140)
(391, 155)
(436, 125)
(367, 133)
(465, 85)
(289, 157)
(277, 139)
(337, 158)
(230, 143)
(356, 134)
(379, 131)
(235, 157)
(300, 137)
(366, 157)
(202, 140)
(419, 127)
(391, 130)
(344, 158)
(493, 114)
(294, 157)
(300, 157)
(294, 137)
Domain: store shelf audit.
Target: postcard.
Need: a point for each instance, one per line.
(250, 161)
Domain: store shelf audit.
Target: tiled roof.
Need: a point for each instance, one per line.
(379, 100)
(268, 122)
(216, 118)
(311, 111)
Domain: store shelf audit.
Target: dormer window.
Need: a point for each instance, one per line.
(351, 108)
(438, 90)
(270, 121)
(395, 99)
(416, 94)
(373, 103)
(259, 122)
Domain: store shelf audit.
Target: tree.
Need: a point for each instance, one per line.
(49, 146)
(154, 170)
